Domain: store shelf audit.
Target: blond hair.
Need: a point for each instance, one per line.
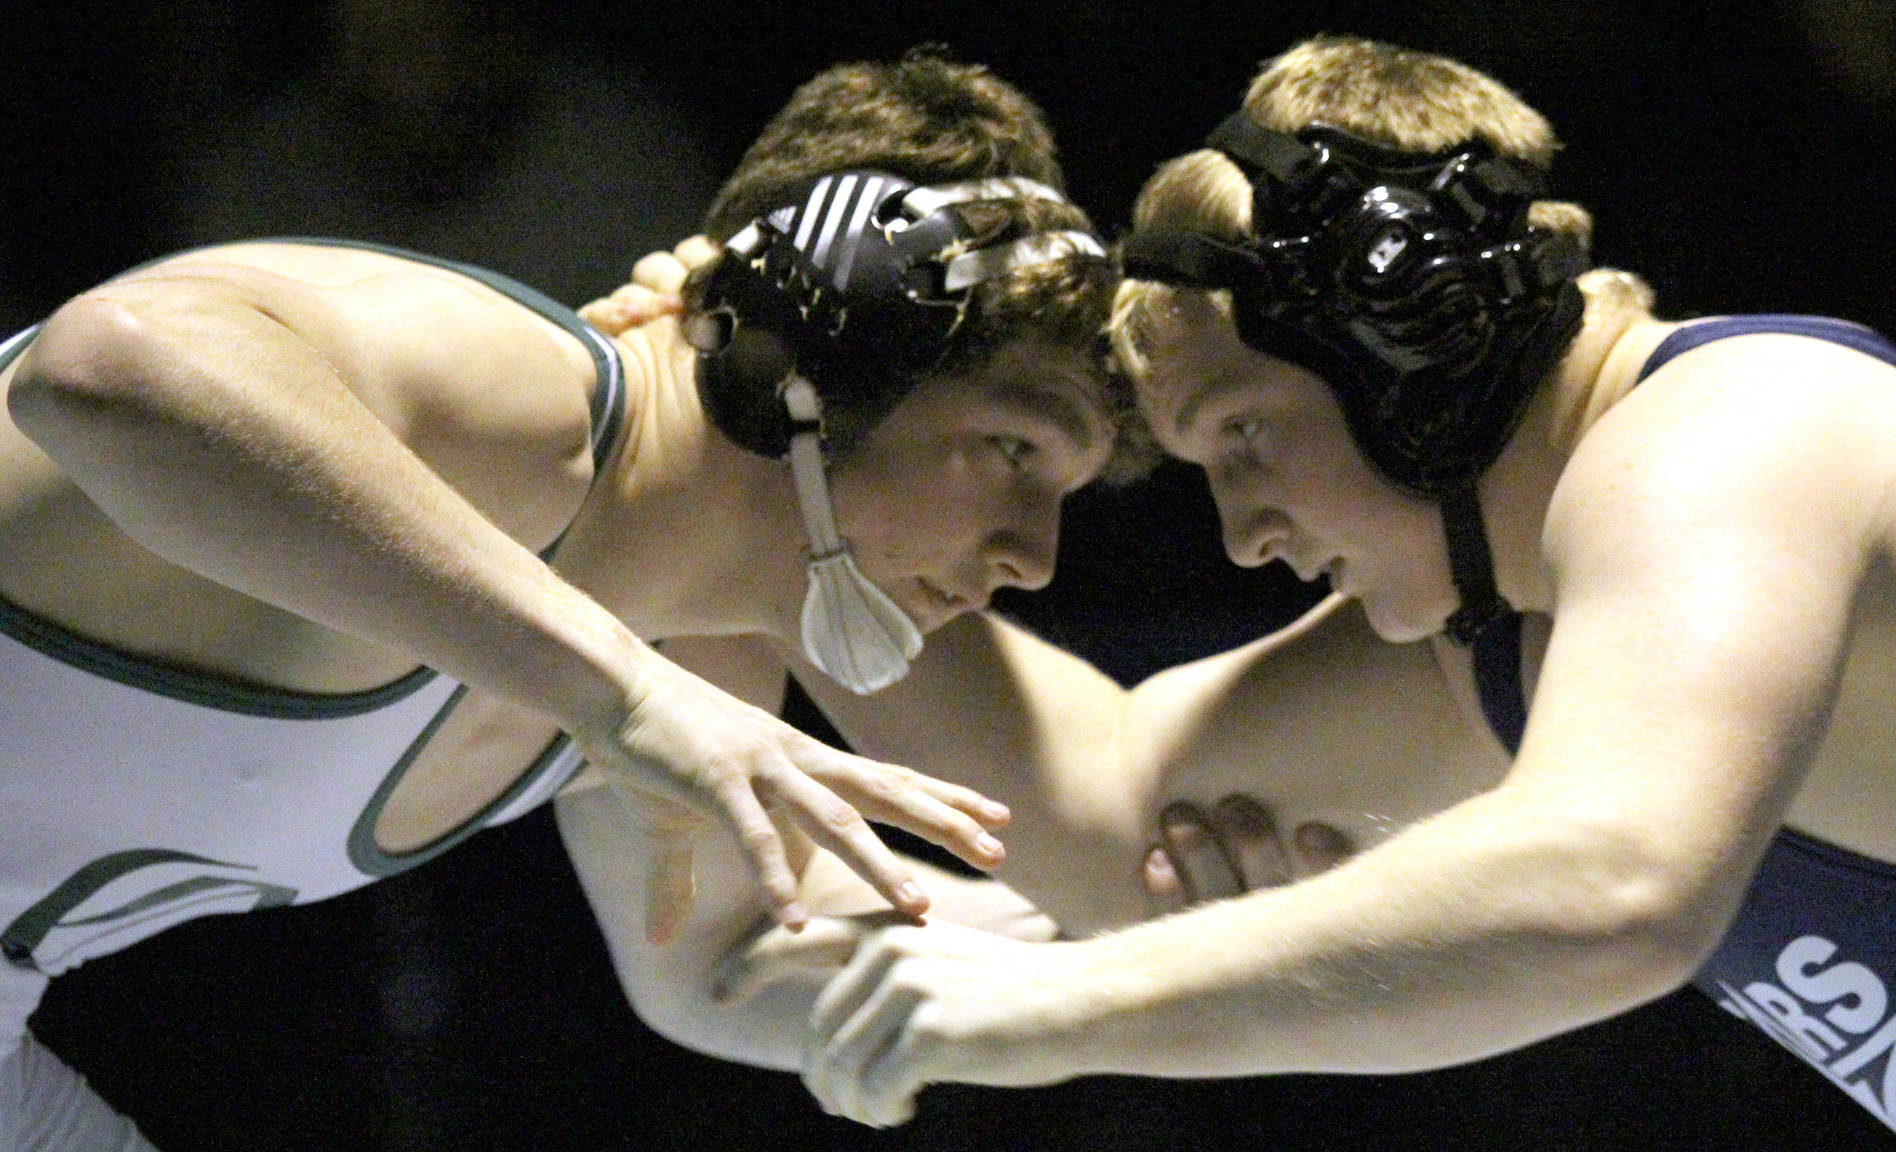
(1413, 101)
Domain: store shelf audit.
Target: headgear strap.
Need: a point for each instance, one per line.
(1413, 285)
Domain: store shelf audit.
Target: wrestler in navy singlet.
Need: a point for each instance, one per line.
(1811, 957)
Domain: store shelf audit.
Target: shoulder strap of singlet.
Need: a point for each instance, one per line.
(608, 398)
(1497, 651)
(1855, 336)
(15, 344)
(1497, 656)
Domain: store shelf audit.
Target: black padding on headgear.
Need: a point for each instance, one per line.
(847, 284)
(1411, 283)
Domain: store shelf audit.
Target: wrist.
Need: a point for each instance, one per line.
(601, 673)
(1128, 1014)
(1096, 1001)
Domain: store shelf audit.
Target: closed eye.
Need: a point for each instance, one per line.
(1013, 449)
(1247, 434)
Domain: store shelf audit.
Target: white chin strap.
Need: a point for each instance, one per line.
(851, 630)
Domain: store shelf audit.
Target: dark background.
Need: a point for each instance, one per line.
(1737, 156)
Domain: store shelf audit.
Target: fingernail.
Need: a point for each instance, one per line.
(910, 893)
(990, 846)
(996, 812)
(793, 917)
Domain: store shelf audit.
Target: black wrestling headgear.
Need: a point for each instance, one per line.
(856, 283)
(1413, 285)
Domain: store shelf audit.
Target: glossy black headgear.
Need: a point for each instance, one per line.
(857, 283)
(1413, 285)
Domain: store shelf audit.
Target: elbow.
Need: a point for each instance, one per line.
(684, 1011)
(82, 363)
(670, 1008)
(103, 360)
(1641, 923)
(668, 986)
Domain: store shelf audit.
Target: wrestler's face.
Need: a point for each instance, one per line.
(1290, 482)
(957, 491)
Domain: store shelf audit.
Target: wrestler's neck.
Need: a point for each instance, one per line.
(1617, 333)
(686, 533)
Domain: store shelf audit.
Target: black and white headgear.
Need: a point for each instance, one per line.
(857, 282)
(840, 297)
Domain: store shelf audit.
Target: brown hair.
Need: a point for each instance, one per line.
(933, 120)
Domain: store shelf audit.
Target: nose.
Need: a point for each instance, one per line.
(1022, 554)
(1251, 536)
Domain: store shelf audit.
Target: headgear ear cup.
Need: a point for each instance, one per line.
(1414, 285)
(738, 383)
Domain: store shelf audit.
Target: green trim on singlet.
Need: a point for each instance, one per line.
(373, 860)
(608, 402)
(196, 686)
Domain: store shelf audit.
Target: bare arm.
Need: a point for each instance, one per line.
(1088, 767)
(206, 413)
(688, 988)
(1686, 684)
(253, 424)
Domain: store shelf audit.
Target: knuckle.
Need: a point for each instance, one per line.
(757, 837)
(841, 819)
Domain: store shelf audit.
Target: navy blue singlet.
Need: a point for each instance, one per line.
(1811, 958)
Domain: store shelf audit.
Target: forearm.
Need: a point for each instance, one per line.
(670, 985)
(220, 441)
(1456, 940)
(679, 988)
(985, 703)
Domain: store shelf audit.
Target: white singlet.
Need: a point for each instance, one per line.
(136, 795)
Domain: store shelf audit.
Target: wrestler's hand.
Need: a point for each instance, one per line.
(820, 951)
(688, 749)
(778, 956)
(942, 1003)
(657, 280)
(1234, 848)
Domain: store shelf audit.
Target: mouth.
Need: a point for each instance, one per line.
(1306, 571)
(946, 604)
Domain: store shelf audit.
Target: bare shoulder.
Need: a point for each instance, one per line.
(1764, 437)
(1707, 543)
(406, 333)
(491, 393)
(1324, 720)
(1329, 650)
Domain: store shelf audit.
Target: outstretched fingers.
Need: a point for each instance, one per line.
(775, 956)
(834, 824)
(763, 849)
(956, 818)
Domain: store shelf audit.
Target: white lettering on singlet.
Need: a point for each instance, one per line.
(1834, 1015)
